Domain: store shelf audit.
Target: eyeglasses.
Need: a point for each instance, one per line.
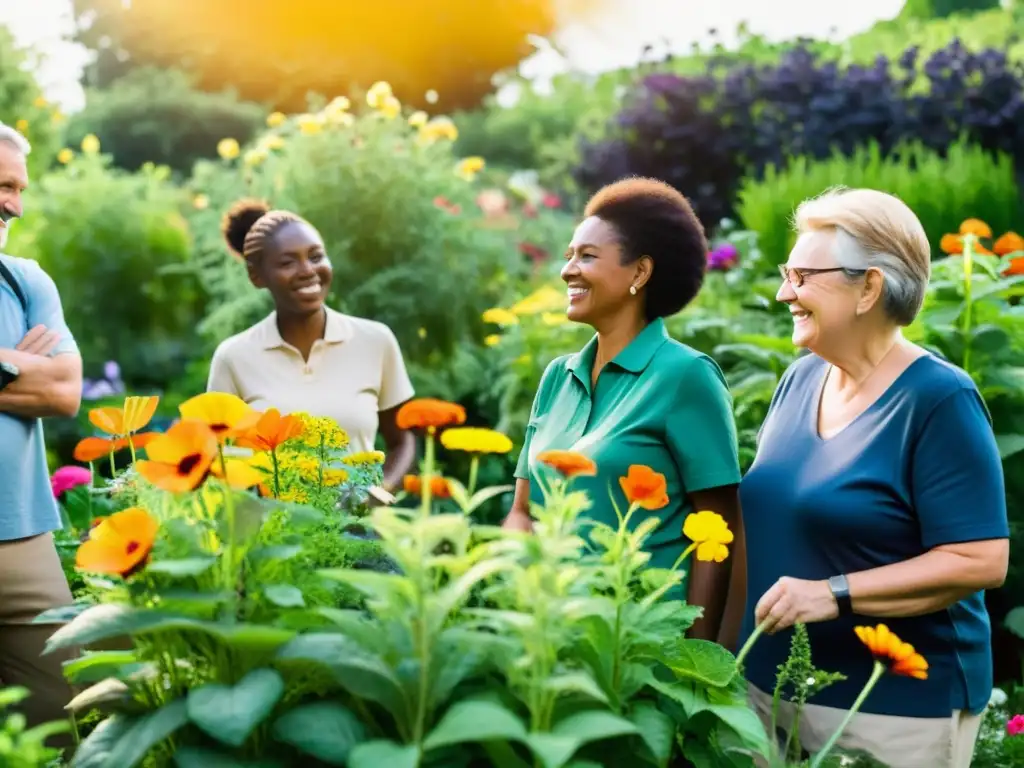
(796, 275)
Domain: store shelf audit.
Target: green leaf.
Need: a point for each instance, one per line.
(197, 757)
(475, 721)
(484, 495)
(554, 751)
(62, 614)
(324, 729)
(1014, 621)
(284, 595)
(576, 682)
(230, 713)
(701, 660)
(745, 723)
(1009, 445)
(145, 733)
(94, 666)
(657, 729)
(458, 590)
(593, 725)
(103, 692)
(12, 695)
(189, 566)
(277, 552)
(376, 586)
(377, 754)
(95, 751)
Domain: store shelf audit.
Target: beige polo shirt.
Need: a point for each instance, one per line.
(354, 372)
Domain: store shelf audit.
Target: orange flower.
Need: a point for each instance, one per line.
(952, 244)
(1010, 242)
(644, 487)
(439, 488)
(568, 463)
(271, 431)
(430, 414)
(180, 459)
(118, 544)
(886, 647)
(226, 415)
(975, 227)
(1016, 267)
(122, 423)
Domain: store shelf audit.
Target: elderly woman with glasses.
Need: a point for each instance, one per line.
(876, 496)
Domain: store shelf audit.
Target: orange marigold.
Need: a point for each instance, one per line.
(568, 463)
(975, 227)
(439, 488)
(1016, 267)
(952, 244)
(1009, 242)
(644, 487)
(430, 414)
(886, 647)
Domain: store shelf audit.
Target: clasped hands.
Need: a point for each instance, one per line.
(795, 601)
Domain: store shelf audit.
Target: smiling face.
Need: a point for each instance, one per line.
(13, 182)
(295, 269)
(826, 304)
(598, 280)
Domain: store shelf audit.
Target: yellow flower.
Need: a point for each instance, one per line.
(91, 144)
(475, 440)
(898, 656)
(492, 340)
(545, 299)
(418, 118)
(22, 125)
(364, 458)
(295, 495)
(321, 429)
(391, 107)
(255, 157)
(310, 124)
(469, 167)
(334, 477)
(272, 142)
(228, 149)
(378, 93)
(553, 318)
(200, 202)
(710, 533)
(275, 119)
(56, 118)
(40, 102)
(499, 316)
(439, 128)
(65, 156)
(340, 104)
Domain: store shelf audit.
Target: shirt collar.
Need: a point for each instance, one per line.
(337, 329)
(634, 358)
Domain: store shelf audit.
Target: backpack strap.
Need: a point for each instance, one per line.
(11, 280)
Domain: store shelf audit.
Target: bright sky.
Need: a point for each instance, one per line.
(613, 39)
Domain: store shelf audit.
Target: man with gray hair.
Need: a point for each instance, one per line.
(40, 377)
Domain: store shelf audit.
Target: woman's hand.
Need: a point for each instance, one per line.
(517, 521)
(795, 601)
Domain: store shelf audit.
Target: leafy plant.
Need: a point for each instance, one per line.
(22, 747)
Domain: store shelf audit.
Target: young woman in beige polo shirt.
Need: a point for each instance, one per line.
(305, 356)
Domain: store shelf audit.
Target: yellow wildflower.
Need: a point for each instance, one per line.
(439, 128)
(91, 144)
(272, 142)
(65, 156)
(709, 533)
(295, 495)
(499, 316)
(228, 149)
(22, 125)
(310, 124)
(492, 340)
(546, 299)
(364, 458)
(322, 430)
(418, 118)
(255, 157)
(378, 94)
(553, 318)
(475, 440)
(469, 167)
(40, 102)
(200, 202)
(391, 108)
(275, 119)
(334, 477)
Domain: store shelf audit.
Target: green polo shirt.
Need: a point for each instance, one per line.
(659, 403)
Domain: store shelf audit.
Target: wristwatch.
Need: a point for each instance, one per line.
(841, 592)
(8, 373)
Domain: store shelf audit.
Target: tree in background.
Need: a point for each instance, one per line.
(940, 9)
(23, 106)
(278, 52)
(156, 115)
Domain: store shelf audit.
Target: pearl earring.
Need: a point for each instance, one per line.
(632, 290)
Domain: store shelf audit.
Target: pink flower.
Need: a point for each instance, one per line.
(1015, 727)
(66, 478)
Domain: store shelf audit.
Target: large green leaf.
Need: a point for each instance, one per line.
(357, 670)
(230, 713)
(284, 595)
(385, 587)
(1009, 445)
(377, 754)
(556, 748)
(657, 729)
(197, 757)
(101, 622)
(744, 722)
(576, 681)
(458, 590)
(145, 733)
(61, 614)
(95, 750)
(190, 566)
(475, 720)
(323, 729)
(94, 666)
(701, 660)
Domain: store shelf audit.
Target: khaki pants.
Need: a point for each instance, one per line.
(898, 742)
(32, 581)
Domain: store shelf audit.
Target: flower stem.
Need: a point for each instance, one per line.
(968, 264)
(277, 474)
(758, 631)
(686, 553)
(474, 467)
(228, 547)
(428, 474)
(131, 447)
(113, 468)
(876, 673)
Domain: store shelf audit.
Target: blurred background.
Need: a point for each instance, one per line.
(445, 147)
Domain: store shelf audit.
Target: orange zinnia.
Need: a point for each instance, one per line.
(118, 544)
(952, 244)
(439, 488)
(898, 656)
(271, 431)
(644, 487)
(180, 459)
(1009, 242)
(975, 227)
(1016, 267)
(430, 414)
(226, 415)
(568, 463)
(122, 423)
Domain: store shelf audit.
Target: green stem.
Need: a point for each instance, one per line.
(474, 467)
(322, 453)
(113, 468)
(968, 320)
(131, 447)
(228, 547)
(686, 553)
(758, 631)
(428, 474)
(277, 474)
(877, 673)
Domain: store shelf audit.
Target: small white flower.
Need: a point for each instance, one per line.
(810, 681)
(998, 698)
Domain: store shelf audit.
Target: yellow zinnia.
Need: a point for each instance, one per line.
(91, 144)
(710, 534)
(475, 440)
(228, 149)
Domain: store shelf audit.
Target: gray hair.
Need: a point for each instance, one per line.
(875, 229)
(13, 138)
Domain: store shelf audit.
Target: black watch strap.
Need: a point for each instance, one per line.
(841, 592)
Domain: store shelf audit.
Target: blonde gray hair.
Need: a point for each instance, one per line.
(13, 138)
(875, 229)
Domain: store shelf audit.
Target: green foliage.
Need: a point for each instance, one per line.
(156, 116)
(22, 747)
(111, 241)
(940, 9)
(22, 105)
(938, 189)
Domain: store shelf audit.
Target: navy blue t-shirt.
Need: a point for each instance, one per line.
(919, 468)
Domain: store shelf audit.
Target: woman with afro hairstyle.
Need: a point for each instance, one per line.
(633, 395)
(305, 356)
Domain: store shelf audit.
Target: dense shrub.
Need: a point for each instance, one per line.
(22, 104)
(704, 133)
(156, 115)
(937, 189)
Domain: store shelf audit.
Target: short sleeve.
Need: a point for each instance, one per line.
(701, 431)
(221, 379)
(537, 410)
(395, 386)
(957, 485)
(44, 307)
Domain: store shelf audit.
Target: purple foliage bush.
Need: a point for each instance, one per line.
(703, 134)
